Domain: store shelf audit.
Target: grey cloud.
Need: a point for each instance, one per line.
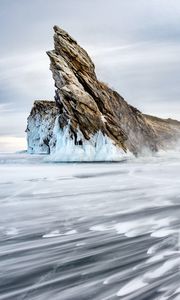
(25, 77)
(12, 124)
(134, 44)
(145, 74)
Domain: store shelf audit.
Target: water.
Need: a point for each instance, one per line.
(89, 231)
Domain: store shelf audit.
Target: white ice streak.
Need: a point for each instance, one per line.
(80, 244)
(138, 227)
(52, 234)
(163, 269)
(70, 232)
(99, 228)
(12, 231)
(163, 232)
(162, 255)
(131, 287)
(56, 233)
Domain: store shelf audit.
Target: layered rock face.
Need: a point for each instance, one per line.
(89, 104)
(89, 115)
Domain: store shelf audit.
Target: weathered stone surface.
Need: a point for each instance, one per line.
(85, 106)
(90, 104)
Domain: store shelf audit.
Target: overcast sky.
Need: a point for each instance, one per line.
(135, 45)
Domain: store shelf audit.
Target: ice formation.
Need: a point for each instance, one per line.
(98, 148)
(44, 136)
(39, 130)
(40, 127)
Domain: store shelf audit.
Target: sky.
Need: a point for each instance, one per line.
(135, 45)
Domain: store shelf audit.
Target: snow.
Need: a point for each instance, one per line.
(103, 118)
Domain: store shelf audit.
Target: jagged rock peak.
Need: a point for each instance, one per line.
(68, 48)
(89, 120)
(89, 104)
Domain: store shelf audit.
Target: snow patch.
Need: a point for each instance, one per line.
(103, 119)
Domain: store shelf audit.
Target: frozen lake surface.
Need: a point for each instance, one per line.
(89, 231)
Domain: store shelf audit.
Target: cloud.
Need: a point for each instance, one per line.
(13, 123)
(12, 144)
(134, 44)
(146, 74)
(26, 75)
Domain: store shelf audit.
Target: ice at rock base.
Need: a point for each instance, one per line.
(98, 148)
(39, 130)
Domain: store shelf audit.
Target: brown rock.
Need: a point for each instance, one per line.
(90, 106)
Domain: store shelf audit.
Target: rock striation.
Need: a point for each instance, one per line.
(89, 114)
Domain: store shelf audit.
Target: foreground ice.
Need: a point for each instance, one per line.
(91, 230)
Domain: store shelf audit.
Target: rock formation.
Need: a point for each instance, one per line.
(167, 131)
(89, 115)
